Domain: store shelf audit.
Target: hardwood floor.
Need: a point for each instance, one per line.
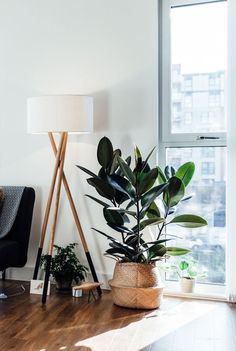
(67, 323)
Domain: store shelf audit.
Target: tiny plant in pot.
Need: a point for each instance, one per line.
(129, 205)
(188, 271)
(65, 267)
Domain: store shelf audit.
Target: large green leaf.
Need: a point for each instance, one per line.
(185, 172)
(156, 251)
(87, 171)
(115, 163)
(128, 250)
(189, 221)
(146, 222)
(122, 210)
(176, 251)
(105, 152)
(150, 196)
(153, 211)
(102, 187)
(127, 170)
(104, 204)
(148, 181)
(121, 228)
(174, 193)
(119, 171)
(161, 176)
(138, 158)
(121, 184)
(113, 217)
(149, 155)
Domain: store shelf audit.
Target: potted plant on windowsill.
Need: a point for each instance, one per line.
(188, 271)
(130, 207)
(65, 267)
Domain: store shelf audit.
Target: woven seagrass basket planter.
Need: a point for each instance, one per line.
(136, 285)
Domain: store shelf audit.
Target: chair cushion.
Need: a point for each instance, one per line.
(9, 253)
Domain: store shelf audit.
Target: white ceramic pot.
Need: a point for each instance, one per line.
(187, 285)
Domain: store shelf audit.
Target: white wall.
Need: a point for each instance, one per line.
(105, 48)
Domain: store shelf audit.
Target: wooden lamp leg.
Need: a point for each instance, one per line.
(76, 218)
(48, 207)
(53, 230)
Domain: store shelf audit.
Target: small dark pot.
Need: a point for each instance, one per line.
(63, 285)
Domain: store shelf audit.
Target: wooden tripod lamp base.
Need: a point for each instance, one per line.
(60, 114)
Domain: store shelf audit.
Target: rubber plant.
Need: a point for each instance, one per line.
(129, 195)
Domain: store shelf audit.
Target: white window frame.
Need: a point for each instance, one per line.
(165, 86)
(167, 139)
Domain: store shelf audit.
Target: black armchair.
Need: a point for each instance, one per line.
(14, 246)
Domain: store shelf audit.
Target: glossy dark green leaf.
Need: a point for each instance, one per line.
(120, 197)
(150, 196)
(87, 171)
(189, 221)
(125, 247)
(121, 184)
(113, 217)
(102, 187)
(115, 164)
(127, 170)
(119, 171)
(146, 222)
(153, 211)
(102, 173)
(147, 159)
(120, 228)
(148, 181)
(174, 193)
(105, 152)
(169, 171)
(186, 172)
(122, 210)
(156, 251)
(104, 204)
(177, 251)
(138, 158)
(161, 176)
(116, 252)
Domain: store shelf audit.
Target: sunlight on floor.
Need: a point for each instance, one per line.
(154, 326)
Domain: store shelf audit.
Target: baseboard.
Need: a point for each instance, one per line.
(26, 274)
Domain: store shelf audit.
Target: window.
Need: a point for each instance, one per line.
(194, 60)
(214, 99)
(208, 168)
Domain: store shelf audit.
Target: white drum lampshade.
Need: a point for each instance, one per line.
(60, 113)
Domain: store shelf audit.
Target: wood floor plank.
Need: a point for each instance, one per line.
(67, 323)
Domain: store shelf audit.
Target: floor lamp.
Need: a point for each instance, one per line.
(61, 114)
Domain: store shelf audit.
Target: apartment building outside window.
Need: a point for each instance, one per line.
(194, 60)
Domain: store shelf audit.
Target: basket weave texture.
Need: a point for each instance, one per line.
(136, 285)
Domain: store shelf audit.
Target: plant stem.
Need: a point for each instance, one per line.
(163, 224)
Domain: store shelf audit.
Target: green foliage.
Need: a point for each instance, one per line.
(65, 265)
(185, 269)
(130, 206)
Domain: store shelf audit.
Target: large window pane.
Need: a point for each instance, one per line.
(198, 57)
(208, 189)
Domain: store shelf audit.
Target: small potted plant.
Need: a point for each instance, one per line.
(129, 205)
(65, 267)
(187, 272)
